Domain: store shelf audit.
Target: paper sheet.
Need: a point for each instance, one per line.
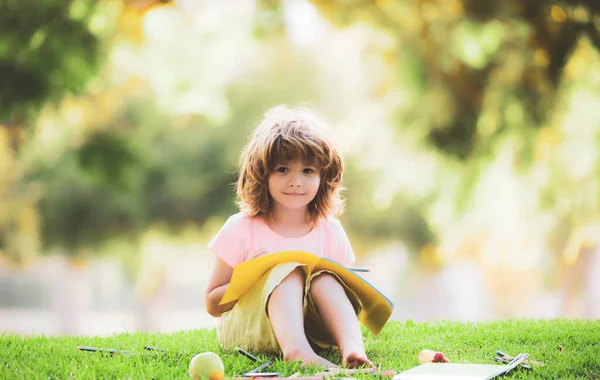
(457, 371)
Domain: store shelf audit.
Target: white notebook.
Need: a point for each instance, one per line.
(458, 371)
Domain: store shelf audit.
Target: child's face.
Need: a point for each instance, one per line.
(293, 185)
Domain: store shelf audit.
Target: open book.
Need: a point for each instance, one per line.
(376, 308)
(459, 371)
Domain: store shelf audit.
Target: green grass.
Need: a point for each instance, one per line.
(395, 348)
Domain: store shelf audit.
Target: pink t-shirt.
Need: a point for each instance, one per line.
(243, 238)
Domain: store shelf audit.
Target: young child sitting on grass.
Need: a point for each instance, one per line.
(288, 191)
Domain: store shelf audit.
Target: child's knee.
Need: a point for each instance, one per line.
(297, 274)
(325, 280)
(292, 281)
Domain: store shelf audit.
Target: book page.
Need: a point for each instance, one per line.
(433, 371)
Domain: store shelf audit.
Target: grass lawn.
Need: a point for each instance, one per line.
(395, 348)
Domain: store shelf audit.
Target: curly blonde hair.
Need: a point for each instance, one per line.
(284, 135)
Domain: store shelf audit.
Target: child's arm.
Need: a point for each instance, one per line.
(217, 286)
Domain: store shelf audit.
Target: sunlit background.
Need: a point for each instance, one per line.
(470, 132)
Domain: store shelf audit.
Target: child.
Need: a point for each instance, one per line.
(288, 188)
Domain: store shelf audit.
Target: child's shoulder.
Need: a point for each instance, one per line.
(330, 224)
(241, 219)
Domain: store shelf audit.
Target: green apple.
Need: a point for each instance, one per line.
(207, 365)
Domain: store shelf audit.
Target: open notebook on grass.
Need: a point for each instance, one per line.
(459, 371)
(376, 310)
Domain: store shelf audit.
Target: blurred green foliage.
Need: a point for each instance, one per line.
(470, 49)
(475, 74)
(46, 51)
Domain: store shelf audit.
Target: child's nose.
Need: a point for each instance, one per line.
(295, 180)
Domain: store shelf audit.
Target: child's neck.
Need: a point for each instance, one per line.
(280, 215)
(290, 223)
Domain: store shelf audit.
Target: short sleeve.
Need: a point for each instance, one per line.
(230, 242)
(342, 252)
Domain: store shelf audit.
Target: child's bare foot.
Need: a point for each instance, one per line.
(309, 358)
(355, 360)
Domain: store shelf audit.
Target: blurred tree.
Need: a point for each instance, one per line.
(476, 74)
(473, 76)
(499, 57)
(46, 51)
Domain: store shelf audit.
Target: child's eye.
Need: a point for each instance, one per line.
(308, 171)
(281, 169)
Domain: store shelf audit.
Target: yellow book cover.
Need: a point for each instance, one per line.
(377, 308)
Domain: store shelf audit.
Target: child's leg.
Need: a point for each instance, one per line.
(285, 307)
(340, 319)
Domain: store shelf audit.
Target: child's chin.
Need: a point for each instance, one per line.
(296, 205)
